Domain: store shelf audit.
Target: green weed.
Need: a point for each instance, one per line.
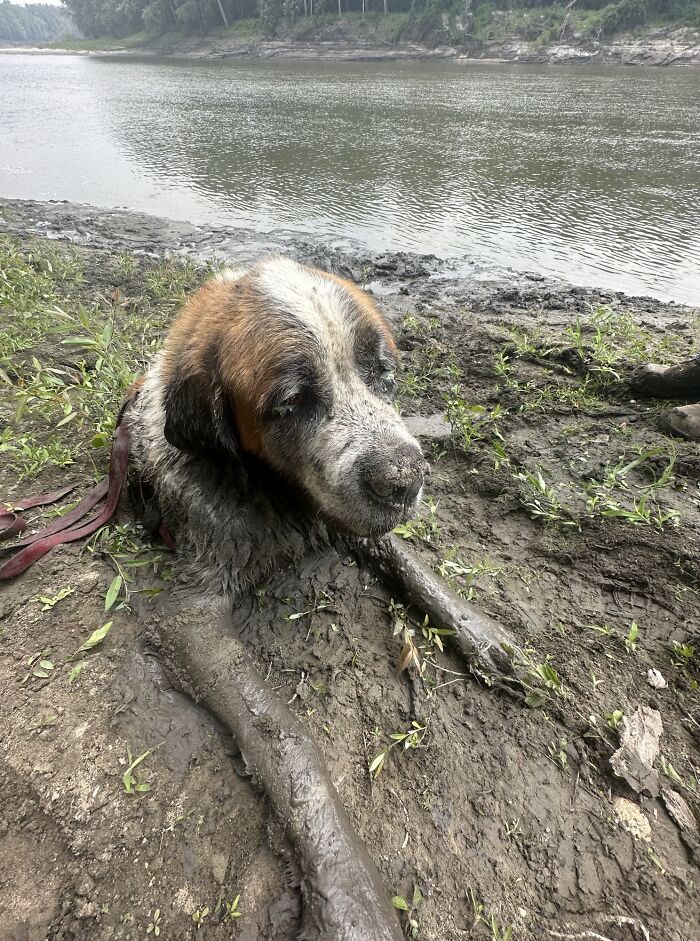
(471, 422)
(424, 528)
(410, 910)
(410, 739)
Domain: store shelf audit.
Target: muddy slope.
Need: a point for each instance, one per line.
(551, 505)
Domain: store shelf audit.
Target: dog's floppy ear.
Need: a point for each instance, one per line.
(198, 415)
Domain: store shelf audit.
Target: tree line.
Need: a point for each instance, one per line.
(36, 22)
(120, 18)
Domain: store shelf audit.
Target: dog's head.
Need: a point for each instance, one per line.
(296, 367)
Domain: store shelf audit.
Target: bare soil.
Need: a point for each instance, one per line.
(506, 815)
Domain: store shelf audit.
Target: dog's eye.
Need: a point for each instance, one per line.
(287, 406)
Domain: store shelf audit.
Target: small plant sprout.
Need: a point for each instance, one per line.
(631, 638)
(594, 680)
(470, 422)
(614, 718)
(113, 592)
(513, 828)
(230, 909)
(411, 911)
(498, 931)
(413, 738)
(413, 653)
(48, 602)
(199, 916)
(94, 640)
(691, 786)
(602, 629)
(132, 785)
(546, 680)
(642, 508)
(502, 365)
(476, 905)
(682, 653)
(154, 926)
(424, 528)
(75, 672)
(40, 666)
(542, 502)
(558, 752)
(462, 577)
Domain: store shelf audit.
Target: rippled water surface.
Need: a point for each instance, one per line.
(589, 174)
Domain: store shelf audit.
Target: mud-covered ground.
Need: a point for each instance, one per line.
(556, 504)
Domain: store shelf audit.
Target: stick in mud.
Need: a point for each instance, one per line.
(479, 638)
(344, 898)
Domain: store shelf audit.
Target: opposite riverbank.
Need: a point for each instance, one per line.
(352, 39)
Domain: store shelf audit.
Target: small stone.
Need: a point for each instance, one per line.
(656, 680)
(632, 819)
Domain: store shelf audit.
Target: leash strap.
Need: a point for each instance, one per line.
(12, 523)
(70, 527)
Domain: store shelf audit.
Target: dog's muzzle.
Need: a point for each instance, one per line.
(393, 479)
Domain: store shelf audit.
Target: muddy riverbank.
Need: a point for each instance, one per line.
(350, 42)
(556, 503)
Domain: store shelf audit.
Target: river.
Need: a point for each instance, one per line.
(588, 174)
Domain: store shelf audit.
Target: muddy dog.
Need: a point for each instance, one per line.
(265, 425)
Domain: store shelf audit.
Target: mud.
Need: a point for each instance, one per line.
(343, 896)
(500, 805)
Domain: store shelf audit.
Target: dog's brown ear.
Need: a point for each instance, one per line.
(198, 415)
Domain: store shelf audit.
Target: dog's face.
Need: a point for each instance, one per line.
(296, 367)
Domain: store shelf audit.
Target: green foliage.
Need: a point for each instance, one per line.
(430, 21)
(35, 22)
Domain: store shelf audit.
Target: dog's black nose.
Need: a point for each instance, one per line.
(396, 477)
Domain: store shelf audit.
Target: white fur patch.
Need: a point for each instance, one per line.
(230, 274)
(317, 302)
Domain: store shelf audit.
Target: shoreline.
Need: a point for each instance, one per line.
(666, 47)
(382, 273)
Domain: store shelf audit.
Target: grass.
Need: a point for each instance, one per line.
(469, 421)
(105, 43)
(604, 342)
(615, 496)
(67, 355)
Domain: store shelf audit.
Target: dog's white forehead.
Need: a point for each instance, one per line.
(321, 305)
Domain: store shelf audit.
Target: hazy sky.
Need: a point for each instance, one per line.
(23, 3)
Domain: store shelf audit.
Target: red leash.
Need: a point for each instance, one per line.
(70, 527)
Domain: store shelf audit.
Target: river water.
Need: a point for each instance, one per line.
(589, 174)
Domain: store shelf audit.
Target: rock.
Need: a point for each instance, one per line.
(680, 812)
(431, 427)
(219, 865)
(634, 760)
(656, 680)
(632, 819)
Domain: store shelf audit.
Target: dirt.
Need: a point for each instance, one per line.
(508, 806)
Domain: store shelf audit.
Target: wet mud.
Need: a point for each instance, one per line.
(505, 815)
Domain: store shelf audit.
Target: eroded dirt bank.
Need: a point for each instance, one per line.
(556, 503)
(352, 40)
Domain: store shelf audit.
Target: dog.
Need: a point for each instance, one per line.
(265, 426)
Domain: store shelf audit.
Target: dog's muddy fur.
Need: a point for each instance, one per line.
(513, 807)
